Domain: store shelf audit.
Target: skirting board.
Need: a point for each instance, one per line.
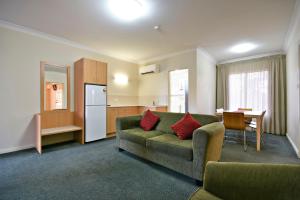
(13, 149)
(293, 145)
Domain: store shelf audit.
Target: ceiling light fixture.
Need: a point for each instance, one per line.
(127, 10)
(157, 27)
(243, 48)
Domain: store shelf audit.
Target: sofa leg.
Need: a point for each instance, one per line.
(120, 150)
(199, 183)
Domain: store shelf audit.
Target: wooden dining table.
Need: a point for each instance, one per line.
(258, 115)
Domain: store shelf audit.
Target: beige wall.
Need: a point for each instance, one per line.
(20, 56)
(206, 83)
(154, 87)
(122, 94)
(202, 81)
(293, 72)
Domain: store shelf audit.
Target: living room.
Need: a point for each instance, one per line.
(150, 99)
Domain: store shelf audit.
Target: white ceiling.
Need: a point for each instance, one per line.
(214, 25)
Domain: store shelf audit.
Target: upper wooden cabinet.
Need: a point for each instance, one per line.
(101, 77)
(89, 71)
(94, 72)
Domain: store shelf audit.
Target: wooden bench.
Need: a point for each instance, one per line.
(55, 123)
(62, 129)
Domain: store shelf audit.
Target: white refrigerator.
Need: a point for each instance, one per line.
(95, 112)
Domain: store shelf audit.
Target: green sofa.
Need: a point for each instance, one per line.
(162, 146)
(249, 181)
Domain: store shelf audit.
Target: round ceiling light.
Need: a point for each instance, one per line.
(127, 10)
(243, 48)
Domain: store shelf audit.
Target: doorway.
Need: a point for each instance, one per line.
(178, 90)
(54, 96)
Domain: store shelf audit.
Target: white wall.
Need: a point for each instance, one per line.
(20, 56)
(202, 81)
(206, 83)
(293, 66)
(154, 87)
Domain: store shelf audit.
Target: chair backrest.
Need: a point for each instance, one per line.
(245, 109)
(234, 120)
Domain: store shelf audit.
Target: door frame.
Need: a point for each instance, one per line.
(186, 90)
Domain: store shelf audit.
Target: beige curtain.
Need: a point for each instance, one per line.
(267, 71)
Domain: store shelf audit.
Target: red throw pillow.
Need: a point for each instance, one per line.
(148, 121)
(185, 127)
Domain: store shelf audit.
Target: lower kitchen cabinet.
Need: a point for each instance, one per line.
(123, 111)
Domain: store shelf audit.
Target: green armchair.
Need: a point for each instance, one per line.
(249, 181)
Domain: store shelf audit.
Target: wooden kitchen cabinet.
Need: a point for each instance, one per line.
(89, 68)
(101, 73)
(94, 72)
(114, 112)
(123, 111)
(162, 109)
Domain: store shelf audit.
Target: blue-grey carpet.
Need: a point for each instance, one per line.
(98, 171)
(275, 149)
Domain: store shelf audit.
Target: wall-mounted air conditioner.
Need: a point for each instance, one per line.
(149, 69)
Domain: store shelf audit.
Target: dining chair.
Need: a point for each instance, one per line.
(235, 121)
(248, 120)
(253, 127)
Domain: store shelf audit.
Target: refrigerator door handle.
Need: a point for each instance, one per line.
(104, 90)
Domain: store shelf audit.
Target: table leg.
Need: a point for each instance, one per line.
(258, 132)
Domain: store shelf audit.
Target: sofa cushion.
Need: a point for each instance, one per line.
(138, 135)
(148, 121)
(170, 144)
(185, 127)
(167, 119)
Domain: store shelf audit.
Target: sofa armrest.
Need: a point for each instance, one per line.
(207, 146)
(123, 123)
(201, 194)
(250, 181)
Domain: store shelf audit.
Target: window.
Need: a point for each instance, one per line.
(249, 90)
(178, 85)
